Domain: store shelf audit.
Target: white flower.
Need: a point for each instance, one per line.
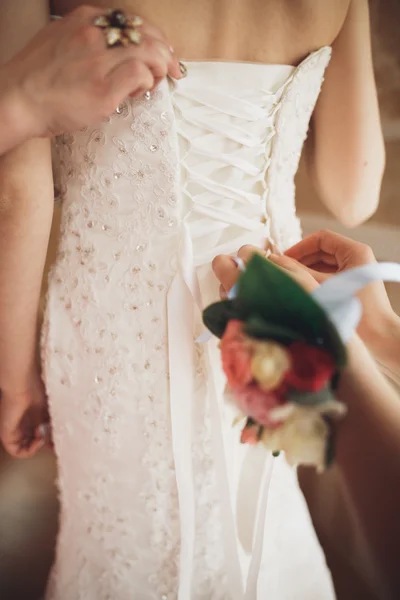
(269, 364)
(331, 408)
(303, 434)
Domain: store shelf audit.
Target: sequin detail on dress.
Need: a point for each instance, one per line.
(149, 197)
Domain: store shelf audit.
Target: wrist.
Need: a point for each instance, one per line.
(360, 376)
(21, 119)
(19, 381)
(384, 344)
(19, 365)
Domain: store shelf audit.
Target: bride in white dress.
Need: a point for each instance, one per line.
(158, 498)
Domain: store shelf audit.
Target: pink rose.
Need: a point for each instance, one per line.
(254, 402)
(236, 356)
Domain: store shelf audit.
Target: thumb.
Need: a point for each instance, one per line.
(226, 270)
(318, 276)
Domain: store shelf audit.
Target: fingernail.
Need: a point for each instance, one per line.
(171, 50)
(183, 69)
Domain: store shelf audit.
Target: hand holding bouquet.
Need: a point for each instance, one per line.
(282, 356)
(283, 347)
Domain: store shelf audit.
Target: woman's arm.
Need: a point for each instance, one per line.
(26, 208)
(367, 467)
(354, 504)
(16, 126)
(386, 348)
(345, 152)
(368, 460)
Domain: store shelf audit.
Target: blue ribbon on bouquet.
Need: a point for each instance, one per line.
(337, 295)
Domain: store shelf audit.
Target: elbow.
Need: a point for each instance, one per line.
(363, 199)
(357, 198)
(358, 209)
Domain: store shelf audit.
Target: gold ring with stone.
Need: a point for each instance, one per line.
(119, 29)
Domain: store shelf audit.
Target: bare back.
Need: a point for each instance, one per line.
(267, 31)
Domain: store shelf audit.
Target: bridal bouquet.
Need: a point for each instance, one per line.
(282, 356)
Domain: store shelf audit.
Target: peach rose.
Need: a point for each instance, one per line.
(270, 363)
(236, 355)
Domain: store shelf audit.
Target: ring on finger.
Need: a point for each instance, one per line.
(119, 29)
(183, 69)
(44, 430)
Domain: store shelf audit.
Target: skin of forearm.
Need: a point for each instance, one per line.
(15, 124)
(26, 208)
(368, 458)
(385, 346)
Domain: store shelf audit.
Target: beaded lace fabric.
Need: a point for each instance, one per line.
(150, 468)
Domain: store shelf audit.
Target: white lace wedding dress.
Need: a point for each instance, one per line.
(158, 498)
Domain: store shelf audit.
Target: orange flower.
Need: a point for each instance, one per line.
(250, 435)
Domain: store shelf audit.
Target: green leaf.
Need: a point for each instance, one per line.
(335, 380)
(266, 291)
(217, 315)
(257, 328)
(310, 398)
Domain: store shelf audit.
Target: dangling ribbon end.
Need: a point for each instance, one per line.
(204, 337)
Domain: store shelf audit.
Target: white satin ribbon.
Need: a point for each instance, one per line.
(259, 470)
(252, 496)
(337, 294)
(183, 299)
(182, 371)
(232, 562)
(252, 491)
(256, 462)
